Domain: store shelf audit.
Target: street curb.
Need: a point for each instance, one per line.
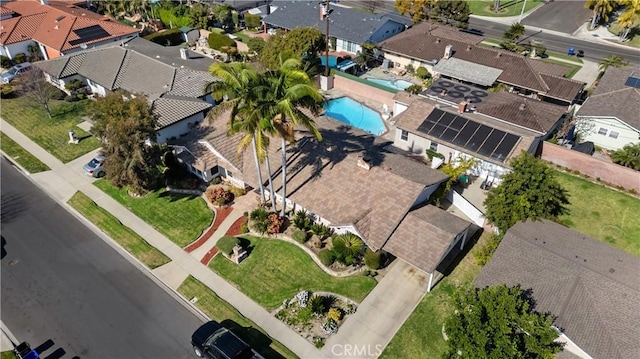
(15, 163)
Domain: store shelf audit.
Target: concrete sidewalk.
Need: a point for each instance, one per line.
(62, 181)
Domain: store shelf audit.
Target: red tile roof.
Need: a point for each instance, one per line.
(53, 25)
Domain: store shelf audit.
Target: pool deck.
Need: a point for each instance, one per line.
(380, 73)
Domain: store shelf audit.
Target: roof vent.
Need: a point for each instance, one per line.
(364, 162)
(437, 40)
(59, 18)
(56, 27)
(468, 47)
(522, 107)
(499, 54)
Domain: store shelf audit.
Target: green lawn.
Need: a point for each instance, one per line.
(276, 270)
(110, 225)
(507, 7)
(421, 334)
(7, 355)
(602, 213)
(52, 134)
(221, 311)
(180, 218)
(20, 155)
(564, 56)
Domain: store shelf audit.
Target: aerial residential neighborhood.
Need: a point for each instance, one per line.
(320, 179)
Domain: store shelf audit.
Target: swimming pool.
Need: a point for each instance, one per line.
(351, 112)
(394, 84)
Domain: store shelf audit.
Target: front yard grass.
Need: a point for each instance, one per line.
(125, 237)
(52, 134)
(223, 312)
(602, 213)
(181, 218)
(421, 334)
(276, 270)
(507, 8)
(7, 355)
(28, 161)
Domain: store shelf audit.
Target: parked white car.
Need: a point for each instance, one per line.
(95, 167)
(15, 71)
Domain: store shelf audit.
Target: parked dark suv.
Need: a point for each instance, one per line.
(213, 341)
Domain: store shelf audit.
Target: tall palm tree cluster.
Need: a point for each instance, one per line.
(266, 105)
(627, 19)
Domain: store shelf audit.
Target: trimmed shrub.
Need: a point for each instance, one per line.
(237, 191)
(170, 37)
(414, 89)
(300, 236)
(319, 229)
(275, 223)
(73, 85)
(244, 228)
(316, 303)
(326, 257)
(5, 62)
(252, 21)
(6, 91)
(335, 314)
(347, 245)
(20, 58)
(259, 220)
(372, 259)
(483, 254)
(226, 244)
(301, 220)
(423, 73)
(219, 196)
(220, 41)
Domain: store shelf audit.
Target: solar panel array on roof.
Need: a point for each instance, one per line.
(482, 139)
(633, 82)
(89, 34)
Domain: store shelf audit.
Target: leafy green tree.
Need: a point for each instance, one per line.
(629, 17)
(222, 14)
(256, 45)
(123, 126)
(199, 15)
(418, 10)
(454, 169)
(303, 43)
(452, 12)
(252, 21)
(613, 61)
(498, 322)
(628, 156)
(530, 190)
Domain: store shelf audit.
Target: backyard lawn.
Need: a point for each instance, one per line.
(20, 155)
(221, 311)
(7, 355)
(52, 134)
(602, 213)
(180, 218)
(507, 7)
(421, 334)
(276, 270)
(123, 235)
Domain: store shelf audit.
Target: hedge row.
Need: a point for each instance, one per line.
(170, 37)
(219, 41)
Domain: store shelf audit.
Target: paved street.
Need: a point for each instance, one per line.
(67, 291)
(560, 15)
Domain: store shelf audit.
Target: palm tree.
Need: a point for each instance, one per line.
(514, 32)
(628, 156)
(237, 85)
(613, 61)
(290, 90)
(601, 10)
(629, 17)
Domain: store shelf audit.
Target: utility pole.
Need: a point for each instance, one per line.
(522, 12)
(325, 15)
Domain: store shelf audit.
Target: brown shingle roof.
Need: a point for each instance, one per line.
(613, 98)
(427, 42)
(592, 288)
(424, 235)
(562, 88)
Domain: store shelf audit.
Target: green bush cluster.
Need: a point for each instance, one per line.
(6, 91)
(326, 257)
(300, 236)
(170, 37)
(252, 21)
(301, 220)
(372, 259)
(219, 41)
(226, 244)
(423, 73)
(19, 58)
(5, 62)
(347, 248)
(414, 89)
(483, 254)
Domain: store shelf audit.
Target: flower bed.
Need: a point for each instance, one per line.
(315, 316)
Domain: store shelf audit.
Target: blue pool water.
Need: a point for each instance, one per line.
(394, 84)
(351, 112)
(333, 60)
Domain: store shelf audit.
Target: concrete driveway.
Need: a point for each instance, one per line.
(559, 15)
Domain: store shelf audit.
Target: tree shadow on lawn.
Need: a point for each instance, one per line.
(255, 338)
(453, 259)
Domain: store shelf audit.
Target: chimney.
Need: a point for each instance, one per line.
(323, 11)
(522, 107)
(468, 47)
(184, 53)
(364, 162)
(44, 2)
(462, 107)
(447, 51)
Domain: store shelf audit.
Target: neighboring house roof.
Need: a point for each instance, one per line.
(591, 288)
(169, 55)
(613, 99)
(427, 42)
(532, 114)
(140, 74)
(345, 23)
(190, 83)
(325, 179)
(424, 235)
(61, 26)
(468, 71)
(171, 109)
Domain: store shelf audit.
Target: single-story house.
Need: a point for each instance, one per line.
(451, 53)
(610, 118)
(590, 287)
(499, 127)
(58, 28)
(177, 95)
(350, 27)
(174, 56)
(352, 182)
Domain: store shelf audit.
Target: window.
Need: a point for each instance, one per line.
(433, 146)
(614, 134)
(404, 135)
(602, 131)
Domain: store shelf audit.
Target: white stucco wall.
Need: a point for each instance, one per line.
(61, 83)
(12, 50)
(179, 128)
(389, 29)
(347, 46)
(425, 194)
(418, 145)
(401, 62)
(602, 131)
